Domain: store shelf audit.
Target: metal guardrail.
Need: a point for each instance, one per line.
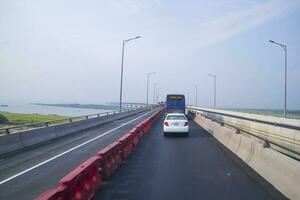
(9, 130)
(266, 130)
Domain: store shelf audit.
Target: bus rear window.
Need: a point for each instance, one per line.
(175, 98)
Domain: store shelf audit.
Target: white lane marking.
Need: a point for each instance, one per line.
(69, 150)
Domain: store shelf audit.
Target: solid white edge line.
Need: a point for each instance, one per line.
(69, 150)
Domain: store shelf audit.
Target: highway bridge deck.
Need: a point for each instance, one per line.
(27, 174)
(193, 167)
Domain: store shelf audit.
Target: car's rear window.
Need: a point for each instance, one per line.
(176, 117)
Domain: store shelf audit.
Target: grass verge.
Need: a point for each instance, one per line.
(20, 118)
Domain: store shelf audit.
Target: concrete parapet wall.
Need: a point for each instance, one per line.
(278, 120)
(282, 133)
(281, 171)
(20, 140)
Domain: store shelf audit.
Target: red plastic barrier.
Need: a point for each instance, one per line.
(126, 145)
(51, 194)
(146, 126)
(139, 131)
(140, 128)
(116, 154)
(134, 137)
(110, 159)
(83, 182)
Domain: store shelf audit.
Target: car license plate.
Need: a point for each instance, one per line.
(175, 124)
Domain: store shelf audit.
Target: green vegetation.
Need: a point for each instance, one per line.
(3, 119)
(19, 118)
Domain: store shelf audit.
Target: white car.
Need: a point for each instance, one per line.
(176, 123)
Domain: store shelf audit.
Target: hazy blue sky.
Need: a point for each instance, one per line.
(70, 51)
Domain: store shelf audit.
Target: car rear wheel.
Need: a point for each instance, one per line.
(165, 134)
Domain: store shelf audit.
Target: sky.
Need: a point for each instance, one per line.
(56, 51)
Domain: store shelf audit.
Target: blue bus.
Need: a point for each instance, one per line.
(175, 103)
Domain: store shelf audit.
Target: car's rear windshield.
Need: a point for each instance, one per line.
(176, 117)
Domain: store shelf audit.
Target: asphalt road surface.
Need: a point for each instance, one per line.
(27, 174)
(181, 168)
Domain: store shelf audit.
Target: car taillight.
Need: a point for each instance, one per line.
(166, 124)
(186, 123)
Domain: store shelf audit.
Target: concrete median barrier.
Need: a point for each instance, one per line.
(280, 170)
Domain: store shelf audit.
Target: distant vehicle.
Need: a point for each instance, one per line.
(175, 103)
(161, 103)
(176, 123)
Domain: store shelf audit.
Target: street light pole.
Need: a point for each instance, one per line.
(154, 94)
(148, 76)
(157, 95)
(188, 97)
(121, 86)
(215, 89)
(285, 73)
(196, 100)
